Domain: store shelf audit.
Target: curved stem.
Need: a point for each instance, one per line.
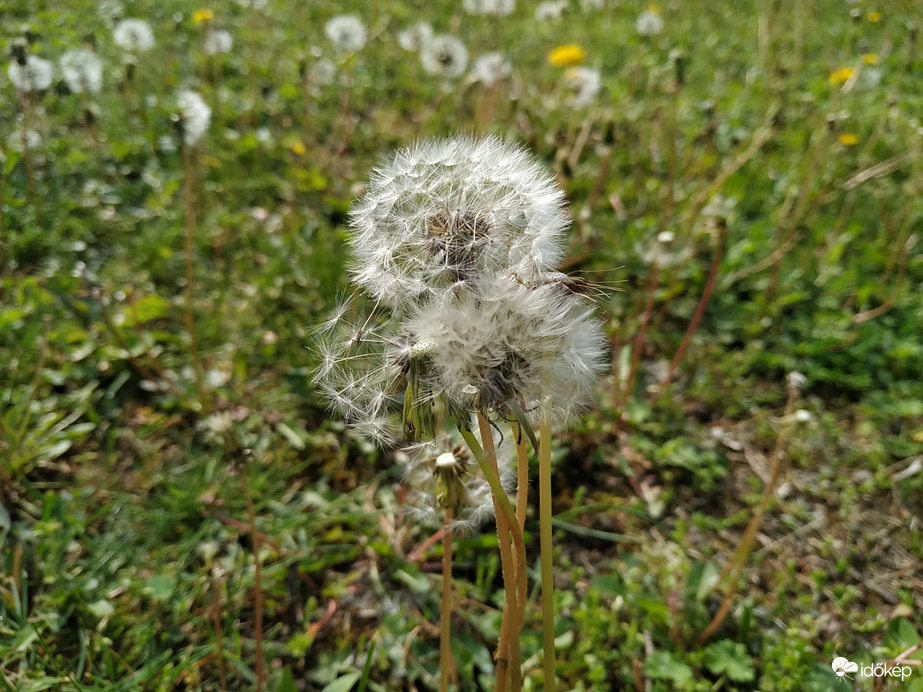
(505, 514)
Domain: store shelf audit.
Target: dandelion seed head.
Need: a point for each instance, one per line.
(82, 70)
(28, 139)
(444, 56)
(428, 465)
(415, 37)
(503, 342)
(133, 35)
(649, 23)
(218, 41)
(109, 11)
(446, 210)
(346, 32)
(498, 8)
(195, 116)
(35, 75)
(585, 84)
(550, 10)
(489, 68)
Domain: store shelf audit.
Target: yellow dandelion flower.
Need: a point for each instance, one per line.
(298, 148)
(655, 9)
(567, 55)
(841, 76)
(200, 16)
(874, 17)
(849, 139)
(870, 58)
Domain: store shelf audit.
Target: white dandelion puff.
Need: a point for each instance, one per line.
(82, 70)
(35, 75)
(498, 8)
(109, 11)
(441, 471)
(218, 41)
(649, 23)
(489, 68)
(444, 56)
(585, 84)
(346, 32)
(504, 344)
(195, 116)
(28, 139)
(323, 72)
(133, 35)
(415, 37)
(443, 211)
(550, 10)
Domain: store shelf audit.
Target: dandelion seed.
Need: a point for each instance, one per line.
(490, 68)
(218, 41)
(415, 37)
(567, 55)
(82, 70)
(550, 10)
(498, 8)
(444, 56)
(34, 75)
(133, 35)
(195, 116)
(346, 32)
(649, 23)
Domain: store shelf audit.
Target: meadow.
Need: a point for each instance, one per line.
(740, 505)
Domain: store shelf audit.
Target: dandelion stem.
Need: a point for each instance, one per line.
(501, 503)
(445, 650)
(522, 482)
(505, 524)
(189, 199)
(547, 556)
(258, 579)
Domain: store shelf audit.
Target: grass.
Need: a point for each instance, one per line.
(789, 196)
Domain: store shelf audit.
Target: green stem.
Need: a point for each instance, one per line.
(547, 557)
(445, 634)
(507, 515)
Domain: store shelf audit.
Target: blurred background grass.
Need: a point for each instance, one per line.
(765, 157)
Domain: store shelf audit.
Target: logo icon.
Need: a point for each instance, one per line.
(841, 666)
